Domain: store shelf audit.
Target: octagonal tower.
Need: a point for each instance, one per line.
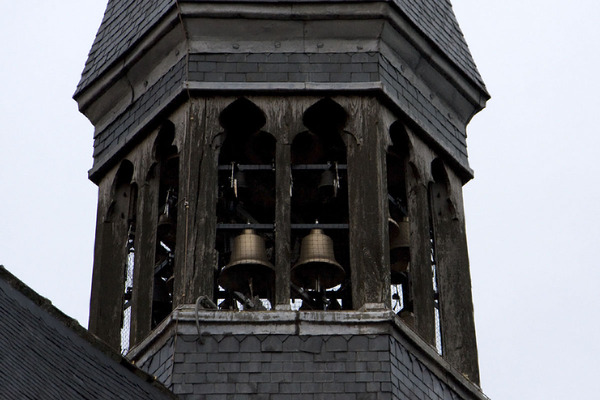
(280, 196)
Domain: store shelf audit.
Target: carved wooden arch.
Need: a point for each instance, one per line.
(163, 143)
(122, 178)
(242, 139)
(323, 140)
(440, 177)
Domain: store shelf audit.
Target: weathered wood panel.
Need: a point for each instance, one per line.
(367, 197)
(110, 258)
(420, 255)
(453, 276)
(191, 155)
(202, 277)
(145, 243)
(280, 119)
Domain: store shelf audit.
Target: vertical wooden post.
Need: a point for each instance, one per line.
(278, 117)
(420, 255)
(191, 155)
(367, 196)
(454, 281)
(202, 275)
(110, 258)
(143, 272)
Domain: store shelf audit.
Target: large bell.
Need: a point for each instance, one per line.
(249, 270)
(399, 235)
(317, 268)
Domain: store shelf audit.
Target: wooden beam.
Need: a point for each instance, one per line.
(421, 276)
(143, 272)
(110, 258)
(459, 344)
(279, 121)
(203, 272)
(191, 154)
(367, 197)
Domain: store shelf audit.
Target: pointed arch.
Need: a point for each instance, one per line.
(323, 141)
(244, 140)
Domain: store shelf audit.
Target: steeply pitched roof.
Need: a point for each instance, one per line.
(46, 355)
(125, 22)
(436, 19)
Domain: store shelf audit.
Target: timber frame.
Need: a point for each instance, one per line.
(156, 89)
(196, 125)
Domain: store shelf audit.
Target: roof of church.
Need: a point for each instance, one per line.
(126, 21)
(45, 354)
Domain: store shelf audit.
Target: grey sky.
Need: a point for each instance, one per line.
(532, 210)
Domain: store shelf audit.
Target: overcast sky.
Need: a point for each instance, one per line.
(532, 210)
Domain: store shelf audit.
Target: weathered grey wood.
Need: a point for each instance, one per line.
(420, 255)
(278, 115)
(202, 277)
(110, 258)
(145, 244)
(190, 158)
(95, 318)
(459, 345)
(367, 197)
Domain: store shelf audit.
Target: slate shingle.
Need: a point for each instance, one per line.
(126, 21)
(42, 357)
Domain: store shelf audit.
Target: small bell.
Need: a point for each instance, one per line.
(248, 267)
(317, 268)
(329, 183)
(166, 222)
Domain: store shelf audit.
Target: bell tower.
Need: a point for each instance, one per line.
(280, 196)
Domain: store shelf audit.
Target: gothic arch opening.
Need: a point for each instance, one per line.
(319, 210)
(167, 168)
(398, 219)
(245, 238)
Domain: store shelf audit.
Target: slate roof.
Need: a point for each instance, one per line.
(126, 21)
(46, 355)
(436, 19)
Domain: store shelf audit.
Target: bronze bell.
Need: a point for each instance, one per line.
(399, 234)
(317, 268)
(166, 227)
(249, 270)
(327, 185)
(165, 220)
(166, 230)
